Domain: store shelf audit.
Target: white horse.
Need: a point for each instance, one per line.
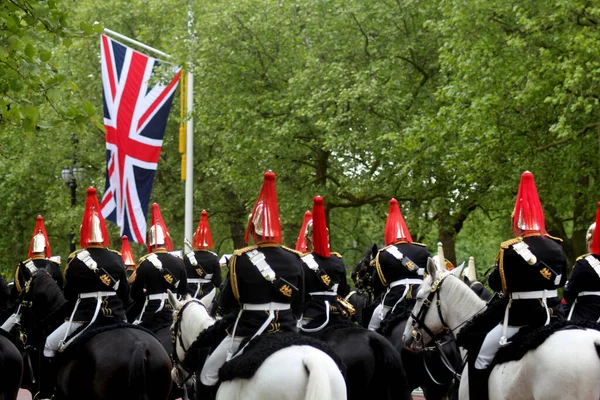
(293, 373)
(565, 366)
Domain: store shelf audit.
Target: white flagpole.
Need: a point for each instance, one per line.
(189, 162)
(142, 45)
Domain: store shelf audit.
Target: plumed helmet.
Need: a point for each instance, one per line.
(528, 215)
(202, 237)
(93, 227)
(158, 235)
(595, 245)
(319, 225)
(264, 219)
(126, 253)
(39, 241)
(395, 227)
(303, 234)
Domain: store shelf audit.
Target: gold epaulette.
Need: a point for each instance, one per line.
(243, 250)
(336, 253)
(73, 254)
(582, 257)
(555, 238)
(114, 251)
(143, 258)
(419, 244)
(298, 253)
(510, 242)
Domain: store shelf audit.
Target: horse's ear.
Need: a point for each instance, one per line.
(374, 250)
(457, 272)
(205, 301)
(176, 304)
(431, 268)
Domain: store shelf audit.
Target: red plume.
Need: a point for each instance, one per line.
(320, 236)
(93, 230)
(157, 220)
(265, 214)
(126, 253)
(595, 247)
(202, 237)
(301, 242)
(395, 227)
(40, 228)
(528, 215)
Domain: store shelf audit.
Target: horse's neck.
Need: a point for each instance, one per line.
(192, 326)
(460, 305)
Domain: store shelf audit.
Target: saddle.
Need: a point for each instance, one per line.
(530, 338)
(245, 365)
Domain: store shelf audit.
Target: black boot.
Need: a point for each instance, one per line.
(478, 384)
(205, 392)
(47, 378)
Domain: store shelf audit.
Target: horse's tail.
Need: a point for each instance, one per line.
(318, 387)
(388, 369)
(137, 372)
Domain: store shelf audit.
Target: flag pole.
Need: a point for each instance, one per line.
(189, 161)
(142, 45)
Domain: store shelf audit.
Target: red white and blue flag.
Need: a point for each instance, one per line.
(136, 108)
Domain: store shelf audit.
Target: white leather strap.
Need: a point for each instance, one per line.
(407, 281)
(536, 294)
(266, 306)
(96, 295)
(87, 259)
(327, 293)
(153, 258)
(310, 261)
(192, 258)
(199, 280)
(258, 259)
(158, 296)
(30, 265)
(588, 294)
(393, 250)
(522, 249)
(594, 263)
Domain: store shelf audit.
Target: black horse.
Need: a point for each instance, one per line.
(116, 362)
(434, 370)
(11, 368)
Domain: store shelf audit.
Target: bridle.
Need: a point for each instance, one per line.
(177, 338)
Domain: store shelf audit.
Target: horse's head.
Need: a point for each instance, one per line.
(362, 274)
(190, 318)
(444, 303)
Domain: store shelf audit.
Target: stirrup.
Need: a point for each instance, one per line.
(42, 398)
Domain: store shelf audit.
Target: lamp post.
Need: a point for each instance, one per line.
(71, 175)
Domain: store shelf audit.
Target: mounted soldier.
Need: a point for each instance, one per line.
(302, 241)
(39, 256)
(324, 277)
(265, 282)
(528, 271)
(128, 257)
(400, 266)
(96, 288)
(582, 290)
(157, 271)
(201, 265)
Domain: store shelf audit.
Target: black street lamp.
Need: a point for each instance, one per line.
(71, 175)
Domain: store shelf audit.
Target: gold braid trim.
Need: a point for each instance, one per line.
(298, 253)
(241, 251)
(69, 259)
(419, 244)
(132, 277)
(336, 253)
(378, 268)
(233, 276)
(554, 237)
(17, 284)
(583, 256)
(502, 276)
(505, 245)
(143, 258)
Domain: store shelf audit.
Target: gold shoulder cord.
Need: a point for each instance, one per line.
(379, 271)
(16, 278)
(233, 277)
(132, 278)
(502, 276)
(582, 256)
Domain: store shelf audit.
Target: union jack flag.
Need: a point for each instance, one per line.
(135, 116)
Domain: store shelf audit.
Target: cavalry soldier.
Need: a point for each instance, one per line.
(400, 266)
(201, 265)
(302, 241)
(324, 277)
(528, 271)
(265, 281)
(39, 257)
(157, 271)
(128, 257)
(96, 286)
(582, 290)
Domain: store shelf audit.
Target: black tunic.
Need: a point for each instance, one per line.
(513, 274)
(22, 274)
(390, 269)
(583, 279)
(246, 285)
(149, 280)
(208, 263)
(79, 278)
(314, 309)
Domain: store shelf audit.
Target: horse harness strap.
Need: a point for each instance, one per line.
(420, 318)
(177, 337)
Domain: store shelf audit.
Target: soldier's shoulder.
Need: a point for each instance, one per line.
(507, 243)
(114, 251)
(298, 253)
(243, 250)
(144, 258)
(74, 254)
(556, 239)
(420, 244)
(335, 253)
(582, 257)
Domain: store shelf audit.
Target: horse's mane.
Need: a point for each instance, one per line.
(48, 303)
(467, 302)
(44, 287)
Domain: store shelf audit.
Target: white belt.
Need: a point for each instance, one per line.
(407, 281)
(158, 296)
(328, 293)
(536, 294)
(96, 295)
(266, 306)
(588, 294)
(198, 280)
